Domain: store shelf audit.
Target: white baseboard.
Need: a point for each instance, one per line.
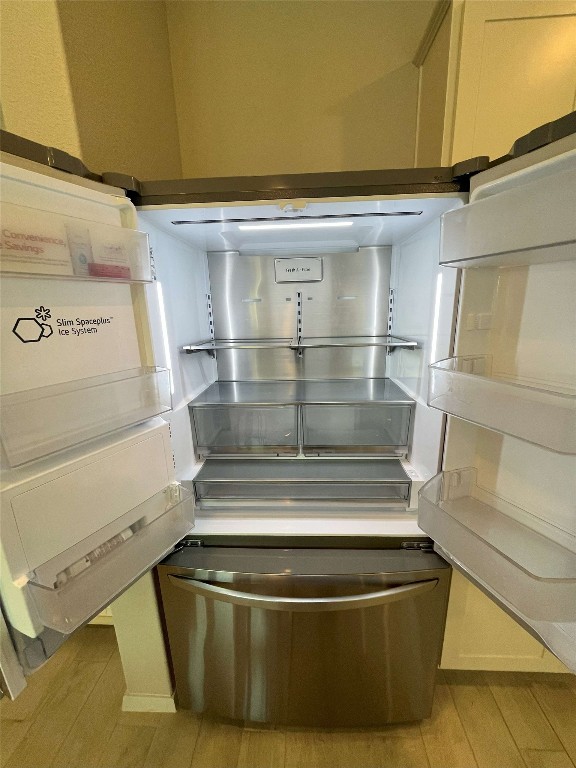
(142, 702)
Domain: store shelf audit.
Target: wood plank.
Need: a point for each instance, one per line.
(262, 749)
(369, 749)
(444, 737)
(174, 741)
(83, 744)
(12, 732)
(127, 747)
(217, 746)
(485, 727)
(96, 643)
(545, 758)
(529, 727)
(557, 698)
(39, 683)
(68, 693)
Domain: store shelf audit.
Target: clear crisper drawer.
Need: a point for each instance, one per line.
(528, 562)
(45, 244)
(353, 492)
(465, 387)
(39, 422)
(233, 429)
(69, 590)
(371, 426)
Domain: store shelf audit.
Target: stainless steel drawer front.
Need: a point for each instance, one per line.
(320, 650)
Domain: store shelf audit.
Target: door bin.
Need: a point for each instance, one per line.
(308, 637)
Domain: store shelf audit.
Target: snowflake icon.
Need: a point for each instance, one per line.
(42, 313)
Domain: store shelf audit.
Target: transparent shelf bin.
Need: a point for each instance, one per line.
(376, 427)
(292, 480)
(72, 588)
(262, 429)
(465, 387)
(517, 555)
(38, 243)
(532, 222)
(40, 421)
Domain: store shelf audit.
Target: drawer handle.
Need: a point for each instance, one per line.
(313, 604)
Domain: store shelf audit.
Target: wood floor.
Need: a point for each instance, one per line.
(70, 717)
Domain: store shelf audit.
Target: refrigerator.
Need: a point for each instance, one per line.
(130, 330)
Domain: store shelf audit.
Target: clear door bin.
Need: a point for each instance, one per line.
(465, 387)
(39, 243)
(74, 586)
(356, 428)
(39, 422)
(505, 547)
(246, 429)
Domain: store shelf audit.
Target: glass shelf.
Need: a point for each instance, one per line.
(328, 392)
(43, 244)
(40, 421)
(78, 583)
(465, 387)
(312, 342)
(515, 553)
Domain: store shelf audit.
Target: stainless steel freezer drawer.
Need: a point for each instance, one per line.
(309, 637)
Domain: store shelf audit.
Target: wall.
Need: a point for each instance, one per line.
(284, 87)
(37, 99)
(93, 79)
(119, 68)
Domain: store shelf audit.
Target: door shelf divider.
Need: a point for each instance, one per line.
(38, 422)
(514, 552)
(45, 244)
(301, 343)
(75, 585)
(465, 387)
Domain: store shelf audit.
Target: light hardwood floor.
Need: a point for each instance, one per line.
(70, 717)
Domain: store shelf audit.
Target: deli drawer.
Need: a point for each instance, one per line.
(348, 428)
(245, 429)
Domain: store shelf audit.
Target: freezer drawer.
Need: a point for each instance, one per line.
(356, 428)
(323, 638)
(245, 429)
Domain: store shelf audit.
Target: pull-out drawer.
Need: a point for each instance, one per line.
(245, 429)
(356, 428)
(290, 481)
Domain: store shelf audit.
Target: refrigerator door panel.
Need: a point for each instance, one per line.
(494, 520)
(89, 498)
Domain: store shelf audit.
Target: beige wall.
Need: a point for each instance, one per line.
(119, 68)
(274, 87)
(432, 102)
(35, 89)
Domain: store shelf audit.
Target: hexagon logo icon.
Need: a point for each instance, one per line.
(30, 330)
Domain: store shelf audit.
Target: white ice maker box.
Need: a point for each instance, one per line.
(78, 529)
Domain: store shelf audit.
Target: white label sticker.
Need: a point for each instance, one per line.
(300, 270)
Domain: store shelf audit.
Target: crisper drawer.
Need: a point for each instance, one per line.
(344, 428)
(245, 429)
(289, 481)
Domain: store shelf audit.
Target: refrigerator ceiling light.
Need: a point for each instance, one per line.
(294, 225)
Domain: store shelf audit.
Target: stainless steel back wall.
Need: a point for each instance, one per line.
(351, 300)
